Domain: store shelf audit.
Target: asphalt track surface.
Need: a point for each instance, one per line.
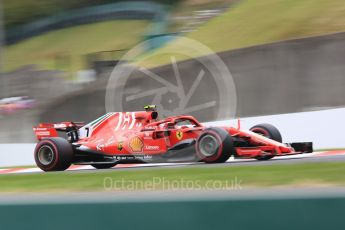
(326, 156)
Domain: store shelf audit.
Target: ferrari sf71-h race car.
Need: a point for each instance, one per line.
(139, 137)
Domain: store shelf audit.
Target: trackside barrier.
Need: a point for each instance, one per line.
(323, 213)
(308, 125)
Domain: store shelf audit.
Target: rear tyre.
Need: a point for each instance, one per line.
(103, 166)
(214, 145)
(270, 132)
(53, 154)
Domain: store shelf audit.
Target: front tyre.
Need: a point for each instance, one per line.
(53, 154)
(104, 166)
(214, 145)
(270, 132)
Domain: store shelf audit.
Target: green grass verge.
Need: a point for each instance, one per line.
(253, 22)
(72, 43)
(310, 174)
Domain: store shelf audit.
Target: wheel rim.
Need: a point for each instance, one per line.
(208, 145)
(45, 155)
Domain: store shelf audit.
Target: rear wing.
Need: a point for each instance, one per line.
(46, 130)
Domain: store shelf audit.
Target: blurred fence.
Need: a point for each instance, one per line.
(268, 214)
(41, 85)
(121, 10)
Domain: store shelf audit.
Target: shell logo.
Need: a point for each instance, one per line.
(136, 144)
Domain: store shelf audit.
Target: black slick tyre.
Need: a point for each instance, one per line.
(214, 145)
(269, 131)
(53, 154)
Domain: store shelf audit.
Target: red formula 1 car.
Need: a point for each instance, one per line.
(132, 137)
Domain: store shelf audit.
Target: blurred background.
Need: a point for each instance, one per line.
(286, 66)
(56, 57)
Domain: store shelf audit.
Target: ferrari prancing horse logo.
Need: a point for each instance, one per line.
(179, 134)
(120, 145)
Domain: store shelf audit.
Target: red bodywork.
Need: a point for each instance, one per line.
(139, 133)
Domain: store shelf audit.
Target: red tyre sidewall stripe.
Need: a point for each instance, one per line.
(261, 130)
